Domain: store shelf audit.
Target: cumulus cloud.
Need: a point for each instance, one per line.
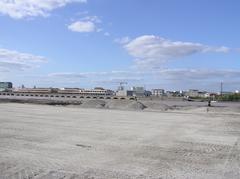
(151, 51)
(86, 24)
(19, 9)
(82, 26)
(14, 60)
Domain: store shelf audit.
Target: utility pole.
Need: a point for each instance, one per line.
(221, 92)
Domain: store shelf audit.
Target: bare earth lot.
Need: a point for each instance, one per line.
(38, 141)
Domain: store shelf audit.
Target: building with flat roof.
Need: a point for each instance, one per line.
(5, 85)
(124, 93)
(78, 91)
(36, 90)
(196, 93)
(158, 92)
(138, 91)
(97, 92)
(69, 90)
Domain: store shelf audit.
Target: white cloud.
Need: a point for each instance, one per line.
(88, 74)
(205, 79)
(13, 60)
(169, 79)
(86, 24)
(94, 19)
(19, 9)
(178, 79)
(197, 74)
(82, 26)
(220, 49)
(67, 75)
(151, 51)
(95, 78)
(123, 40)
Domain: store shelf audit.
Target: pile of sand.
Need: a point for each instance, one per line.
(155, 105)
(125, 105)
(113, 104)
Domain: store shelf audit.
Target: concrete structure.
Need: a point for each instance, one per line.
(192, 93)
(135, 91)
(158, 92)
(174, 93)
(5, 85)
(124, 93)
(147, 93)
(60, 94)
(197, 94)
(69, 90)
(94, 92)
(43, 95)
(97, 92)
(138, 91)
(36, 90)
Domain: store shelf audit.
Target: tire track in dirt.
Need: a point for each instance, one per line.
(232, 164)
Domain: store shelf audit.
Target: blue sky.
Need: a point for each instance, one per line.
(168, 44)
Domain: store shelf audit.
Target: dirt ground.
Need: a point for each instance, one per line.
(55, 142)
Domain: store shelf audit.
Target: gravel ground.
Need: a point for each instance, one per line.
(40, 141)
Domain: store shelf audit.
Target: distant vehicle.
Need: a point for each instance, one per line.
(187, 98)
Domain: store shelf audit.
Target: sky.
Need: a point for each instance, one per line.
(169, 44)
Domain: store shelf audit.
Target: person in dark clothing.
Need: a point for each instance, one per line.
(209, 103)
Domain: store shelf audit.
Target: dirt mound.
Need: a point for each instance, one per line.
(136, 106)
(154, 105)
(125, 105)
(93, 104)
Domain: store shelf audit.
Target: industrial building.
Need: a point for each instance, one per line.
(135, 92)
(5, 86)
(95, 92)
(158, 92)
(35, 90)
(124, 93)
(196, 93)
(138, 91)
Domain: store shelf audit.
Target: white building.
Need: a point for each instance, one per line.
(158, 92)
